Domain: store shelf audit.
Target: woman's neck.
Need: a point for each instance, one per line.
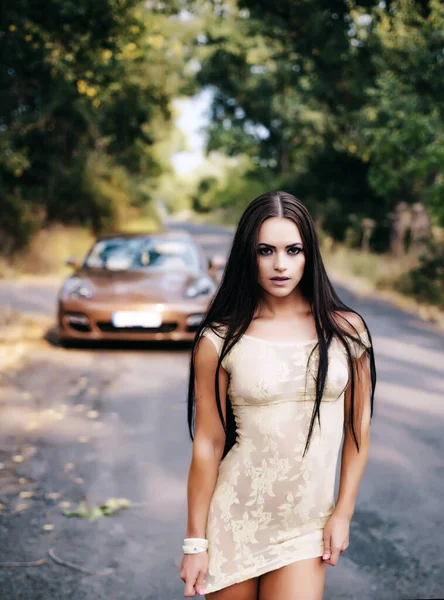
(293, 305)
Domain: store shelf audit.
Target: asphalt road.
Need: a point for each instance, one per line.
(109, 422)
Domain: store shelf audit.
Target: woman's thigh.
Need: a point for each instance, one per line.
(301, 580)
(245, 590)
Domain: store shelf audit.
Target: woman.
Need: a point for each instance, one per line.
(281, 369)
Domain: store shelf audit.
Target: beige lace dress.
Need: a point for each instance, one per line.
(270, 506)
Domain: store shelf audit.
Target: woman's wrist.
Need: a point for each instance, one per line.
(195, 545)
(195, 533)
(343, 511)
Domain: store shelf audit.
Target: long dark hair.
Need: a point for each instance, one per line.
(235, 303)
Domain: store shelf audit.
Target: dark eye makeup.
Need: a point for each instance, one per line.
(267, 250)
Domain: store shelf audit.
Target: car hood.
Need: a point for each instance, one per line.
(135, 286)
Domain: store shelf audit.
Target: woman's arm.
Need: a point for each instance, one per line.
(353, 462)
(208, 447)
(337, 529)
(209, 439)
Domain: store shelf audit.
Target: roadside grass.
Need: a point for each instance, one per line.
(381, 274)
(47, 252)
(380, 270)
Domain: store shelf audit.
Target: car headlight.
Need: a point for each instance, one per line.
(200, 287)
(76, 287)
(195, 320)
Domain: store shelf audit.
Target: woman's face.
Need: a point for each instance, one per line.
(281, 258)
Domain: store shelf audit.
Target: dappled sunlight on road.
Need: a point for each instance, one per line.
(396, 459)
(165, 493)
(53, 425)
(409, 376)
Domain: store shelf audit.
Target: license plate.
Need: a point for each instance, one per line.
(126, 318)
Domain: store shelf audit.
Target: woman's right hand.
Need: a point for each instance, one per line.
(192, 573)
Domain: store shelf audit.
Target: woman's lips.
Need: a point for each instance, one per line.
(280, 282)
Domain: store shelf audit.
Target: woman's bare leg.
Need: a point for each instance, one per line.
(245, 590)
(301, 580)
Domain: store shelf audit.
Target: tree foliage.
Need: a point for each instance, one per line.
(401, 126)
(86, 90)
(341, 101)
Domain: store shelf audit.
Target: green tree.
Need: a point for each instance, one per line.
(85, 104)
(401, 126)
(290, 78)
(341, 101)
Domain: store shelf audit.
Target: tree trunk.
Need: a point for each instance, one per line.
(401, 222)
(420, 228)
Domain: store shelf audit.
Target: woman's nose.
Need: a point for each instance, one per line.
(279, 262)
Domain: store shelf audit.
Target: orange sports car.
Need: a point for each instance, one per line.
(138, 287)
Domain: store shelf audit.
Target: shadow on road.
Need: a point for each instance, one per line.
(52, 337)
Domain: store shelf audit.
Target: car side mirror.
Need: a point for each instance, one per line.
(71, 262)
(216, 263)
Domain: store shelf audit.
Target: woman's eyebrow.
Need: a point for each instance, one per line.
(274, 247)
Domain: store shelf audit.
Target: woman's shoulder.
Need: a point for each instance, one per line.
(355, 329)
(215, 332)
(351, 322)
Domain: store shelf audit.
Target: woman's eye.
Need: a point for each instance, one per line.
(268, 251)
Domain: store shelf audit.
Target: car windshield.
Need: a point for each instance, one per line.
(143, 253)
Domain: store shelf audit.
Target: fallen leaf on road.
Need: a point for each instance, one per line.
(80, 511)
(2, 507)
(48, 527)
(78, 480)
(114, 504)
(22, 480)
(111, 506)
(25, 495)
(95, 513)
(55, 414)
(69, 467)
(18, 458)
(53, 495)
(21, 507)
(64, 504)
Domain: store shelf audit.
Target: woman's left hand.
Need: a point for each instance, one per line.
(336, 538)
